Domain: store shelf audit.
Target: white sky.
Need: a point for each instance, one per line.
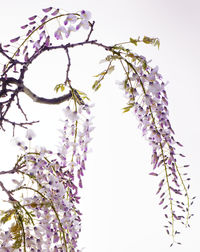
(119, 205)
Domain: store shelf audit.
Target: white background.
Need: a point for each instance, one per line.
(119, 205)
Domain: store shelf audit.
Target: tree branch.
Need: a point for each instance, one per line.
(43, 100)
(7, 192)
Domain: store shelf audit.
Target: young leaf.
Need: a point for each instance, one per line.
(96, 85)
(102, 73)
(59, 86)
(83, 95)
(111, 69)
(133, 41)
(147, 40)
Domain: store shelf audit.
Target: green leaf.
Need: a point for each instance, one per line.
(153, 41)
(8, 215)
(62, 88)
(83, 95)
(126, 109)
(125, 83)
(147, 40)
(96, 85)
(102, 73)
(59, 86)
(133, 41)
(144, 65)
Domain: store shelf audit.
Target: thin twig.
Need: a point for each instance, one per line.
(68, 66)
(91, 30)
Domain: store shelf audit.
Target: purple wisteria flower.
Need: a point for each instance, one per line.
(59, 31)
(145, 90)
(51, 218)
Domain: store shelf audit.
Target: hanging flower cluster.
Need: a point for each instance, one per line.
(39, 34)
(47, 218)
(147, 98)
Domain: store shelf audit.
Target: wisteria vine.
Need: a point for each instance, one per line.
(43, 213)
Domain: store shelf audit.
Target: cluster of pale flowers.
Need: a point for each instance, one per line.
(38, 34)
(46, 217)
(72, 19)
(145, 90)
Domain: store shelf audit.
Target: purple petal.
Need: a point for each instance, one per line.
(47, 9)
(83, 164)
(153, 174)
(80, 183)
(161, 161)
(47, 42)
(6, 45)
(161, 202)
(14, 40)
(179, 144)
(15, 71)
(159, 189)
(24, 26)
(55, 238)
(33, 22)
(32, 18)
(17, 53)
(78, 174)
(25, 48)
(28, 33)
(161, 183)
(162, 195)
(44, 19)
(66, 21)
(78, 26)
(26, 57)
(55, 12)
(41, 27)
(42, 35)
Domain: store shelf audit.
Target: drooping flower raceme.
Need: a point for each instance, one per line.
(147, 98)
(46, 218)
(38, 34)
